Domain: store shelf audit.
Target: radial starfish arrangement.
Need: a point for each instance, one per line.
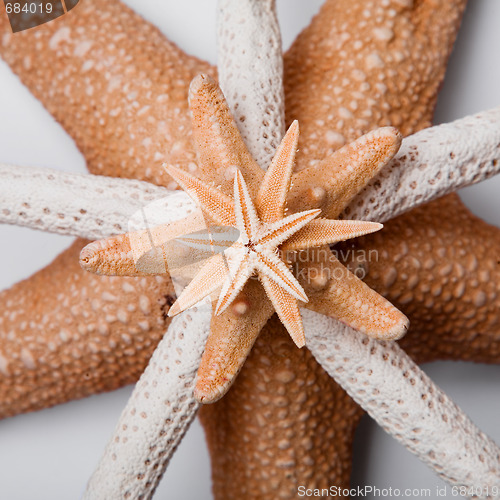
(434, 271)
(263, 227)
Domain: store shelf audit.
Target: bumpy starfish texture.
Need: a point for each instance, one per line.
(410, 19)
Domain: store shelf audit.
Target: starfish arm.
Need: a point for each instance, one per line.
(249, 38)
(446, 282)
(396, 66)
(463, 455)
(270, 265)
(219, 143)
(431, 163)
(332, 183)
(327, 232)
(123, 84)
(213, 202)
(86, 334)
(240, 270)
(273, 191)
(210, 277)
(245, 214)
(138, 253)
(232, 335)
(157, 415)
(89, 206)
(282, 385)
(282, 230)
(351, 301)
(287, 309)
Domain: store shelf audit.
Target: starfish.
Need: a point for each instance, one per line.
(263, 231)
(112, 165)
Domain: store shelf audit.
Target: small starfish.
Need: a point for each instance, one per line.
(265, 232)
(263, 228)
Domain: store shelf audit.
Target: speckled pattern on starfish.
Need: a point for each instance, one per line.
(395, 84)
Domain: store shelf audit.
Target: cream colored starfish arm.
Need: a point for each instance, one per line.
(88, 206)
(385, 381)
(328, 232)
(287, 309)
(249, 37)
(157, 414)
(431, 163)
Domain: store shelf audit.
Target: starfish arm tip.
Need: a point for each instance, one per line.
(205, 395)
(397, 331)
(300, 343)
(89, 259)
(174, 310)
(198, 82)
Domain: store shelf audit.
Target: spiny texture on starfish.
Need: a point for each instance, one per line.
(263, 228)
(256, 248)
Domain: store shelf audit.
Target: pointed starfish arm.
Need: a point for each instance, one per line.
(326, 232)
(210, 277)
(287, 309)
(236, 277)
(270, 265)
(137, 253)
(273, 191)
(232, 335)
(351, 301)
(245, 214)
(332, 183)
(213, 202)
(282, 230)
(218, 141)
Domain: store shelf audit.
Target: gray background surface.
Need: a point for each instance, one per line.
(51, 453)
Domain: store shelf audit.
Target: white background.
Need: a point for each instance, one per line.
(51, 453)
